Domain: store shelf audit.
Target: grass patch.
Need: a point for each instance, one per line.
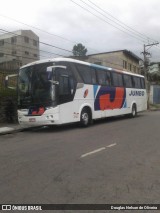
(156, 106)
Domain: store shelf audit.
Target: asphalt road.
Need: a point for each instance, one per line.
(114, 161)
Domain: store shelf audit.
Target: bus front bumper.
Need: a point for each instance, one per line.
(42, 120)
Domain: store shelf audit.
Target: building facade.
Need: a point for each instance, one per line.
(18, 48)
(121, 59)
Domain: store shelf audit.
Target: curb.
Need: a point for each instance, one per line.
(15, 130)
(11, 131)
(154, 109)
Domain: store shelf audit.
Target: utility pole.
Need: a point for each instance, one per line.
(145, 54)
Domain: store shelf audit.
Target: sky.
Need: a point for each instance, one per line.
(100, 25)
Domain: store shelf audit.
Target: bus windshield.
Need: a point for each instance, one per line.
(34, 87)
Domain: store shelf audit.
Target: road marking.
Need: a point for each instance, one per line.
(97, 150)
(113, 144)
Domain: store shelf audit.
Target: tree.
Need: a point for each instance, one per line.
(79, 50)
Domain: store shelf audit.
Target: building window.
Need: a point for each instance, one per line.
(14, 52)
(26, 39)
(26, 53)
(130, 67)
(124, 64)
(1, 54)
(35, 43)
(35, 55)
(14, 40)
(1, 42)
(134, 69)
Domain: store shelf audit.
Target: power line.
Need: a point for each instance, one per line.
(105, 20)
(136, 33)
(39, 41)
(68, 39)
(63, 38)
(18, 55)
(111, 20)
(7, 52)
(57, 48)
(48, 52)
(15, 55)
(121, 23)
(37, 28)
(34, 49)
(50, 45)
(31, 47)
(26, 47)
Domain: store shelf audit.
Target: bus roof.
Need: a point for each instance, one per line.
(79, 62)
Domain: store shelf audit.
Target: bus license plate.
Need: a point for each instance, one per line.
(32, 120)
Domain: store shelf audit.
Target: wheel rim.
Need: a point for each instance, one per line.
(133, 111)
(85, 118)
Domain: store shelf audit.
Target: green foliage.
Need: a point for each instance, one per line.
(6, 92)
(155, 106)
(154, 77)
(79, 50)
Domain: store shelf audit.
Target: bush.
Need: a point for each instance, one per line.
(8, 99)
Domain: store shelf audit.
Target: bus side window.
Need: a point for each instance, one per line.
(101, 74)
(64, 88)
(85, 73)
(137, 82)
(127, 81)
(142, 83)
(104, 77)
(93, 76)
(117, 79)
(72, 84)
(108, 78)
(133, 82)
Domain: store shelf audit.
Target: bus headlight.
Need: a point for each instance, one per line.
(49, 117)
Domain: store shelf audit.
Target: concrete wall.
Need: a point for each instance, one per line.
(16, 47)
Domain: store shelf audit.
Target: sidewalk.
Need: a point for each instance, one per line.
(7, 128)
(154, 107)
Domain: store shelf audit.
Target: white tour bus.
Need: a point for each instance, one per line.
(63, 90)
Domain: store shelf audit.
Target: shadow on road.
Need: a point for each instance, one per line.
(68, 127)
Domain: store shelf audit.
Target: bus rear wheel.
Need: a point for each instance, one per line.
(86, 117)
(134, 111)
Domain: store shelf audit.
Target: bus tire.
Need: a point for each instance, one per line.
(86, 117)
(134, 111)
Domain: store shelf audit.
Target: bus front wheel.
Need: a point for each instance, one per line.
(86, 117)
